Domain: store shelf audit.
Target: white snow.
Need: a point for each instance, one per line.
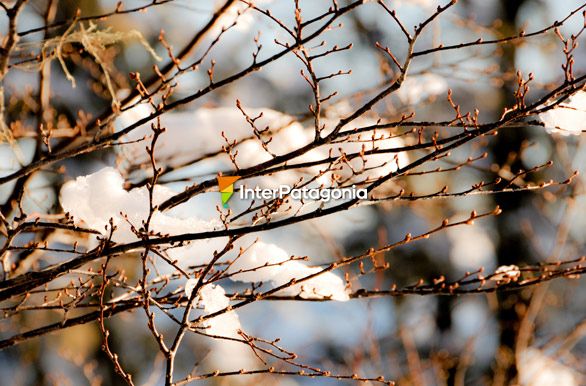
(568, 117)
(367, 167)
(224, 354)
(375, 165)
(326, 285)
(239, 13)
(193, 134)
(417, 88)
(506, 273)
(538, 369)
(13, 156)
(95, 199)
(425, 4)
(213, 298)
(256, 257)
(268, 263)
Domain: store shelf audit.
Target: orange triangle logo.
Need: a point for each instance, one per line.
(226, 182)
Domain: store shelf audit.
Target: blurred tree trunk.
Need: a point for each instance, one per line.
(512, 246)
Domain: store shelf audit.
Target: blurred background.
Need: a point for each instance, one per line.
(415, 340)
